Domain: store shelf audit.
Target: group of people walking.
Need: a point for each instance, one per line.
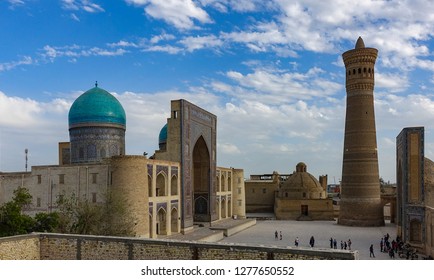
(344, 244)
(278, 236)
(387, 246)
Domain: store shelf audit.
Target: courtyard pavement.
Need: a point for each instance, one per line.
(361, 237)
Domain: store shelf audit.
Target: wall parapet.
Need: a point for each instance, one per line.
(48, 246)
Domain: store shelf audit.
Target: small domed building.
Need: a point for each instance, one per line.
(303, 197)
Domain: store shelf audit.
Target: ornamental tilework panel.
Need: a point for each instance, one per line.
(89, 144)
(174, 204)
(163, 168)
(162, 205)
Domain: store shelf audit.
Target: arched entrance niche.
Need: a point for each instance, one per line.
(161, 185)
(174, 220)
(201, 181)
(223, 208)
(161, 224)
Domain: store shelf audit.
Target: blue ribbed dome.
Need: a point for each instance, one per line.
(162, 138)
(96, 106)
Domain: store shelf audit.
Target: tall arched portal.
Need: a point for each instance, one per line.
(201, 181)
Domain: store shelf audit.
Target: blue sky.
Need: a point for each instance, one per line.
(271, 71)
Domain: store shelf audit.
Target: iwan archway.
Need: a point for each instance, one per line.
(201, 181)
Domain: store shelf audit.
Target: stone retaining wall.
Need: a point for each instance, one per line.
(46, 246)
(22, 247)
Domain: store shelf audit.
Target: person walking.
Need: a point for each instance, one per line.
(371, 251)
(349, 244)
(296, 242)
(381, 245)
(331, 243)
(335, 244)
(312, 242)
(276, 235)
(280, 235)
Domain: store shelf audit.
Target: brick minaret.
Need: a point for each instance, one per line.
(360, 190)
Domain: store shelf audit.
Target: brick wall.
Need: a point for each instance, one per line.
(46, 246)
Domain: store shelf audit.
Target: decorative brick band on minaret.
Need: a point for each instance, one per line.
(360, 203)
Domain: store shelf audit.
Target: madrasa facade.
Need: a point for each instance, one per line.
(168, 193)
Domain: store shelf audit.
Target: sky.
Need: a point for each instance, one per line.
(271, 71)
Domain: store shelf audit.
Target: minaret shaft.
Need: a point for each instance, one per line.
(360, 203)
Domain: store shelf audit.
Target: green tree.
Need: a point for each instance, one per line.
(116, 219)
(46, 222)
(110, 218)
(12, 219)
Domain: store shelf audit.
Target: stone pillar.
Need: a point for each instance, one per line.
(238, 193)
(130, 179)
(360, 188)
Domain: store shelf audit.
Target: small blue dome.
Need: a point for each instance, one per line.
(96, 106)
(162, 138)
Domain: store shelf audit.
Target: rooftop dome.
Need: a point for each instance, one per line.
(96, 106)
(302, 185)
(162, 138)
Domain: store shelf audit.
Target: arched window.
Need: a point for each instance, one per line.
(174, 185)
(103, 153)
(150, 194)
(161, 185)
(217, 183)
(91, 151)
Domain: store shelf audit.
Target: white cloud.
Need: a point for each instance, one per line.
(74, 51)
(167, 49)
(16, 2)
(18, 112)
(237, 5)
(84, 5)
(179, 13)
(196, 43)
(277, 86)
(228, 148)
(26, 60)
(75, 17)
(391, 82)
(162, 37)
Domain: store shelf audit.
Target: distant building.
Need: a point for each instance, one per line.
(415, 191)
(178, 187)
(297, 196)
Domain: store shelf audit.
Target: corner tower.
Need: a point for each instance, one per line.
(97, 126)
(360, 190)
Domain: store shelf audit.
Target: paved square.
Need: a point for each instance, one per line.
(361, 237)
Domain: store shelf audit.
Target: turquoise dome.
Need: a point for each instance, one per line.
(96, 106)
(162, 138)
